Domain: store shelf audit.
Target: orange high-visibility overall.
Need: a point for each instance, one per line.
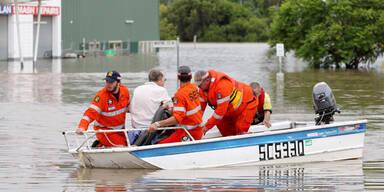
(233, 102)
(108, 114)
(187, 111)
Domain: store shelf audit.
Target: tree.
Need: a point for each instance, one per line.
(215, 20)
(167, 30)
(259, 7)
(331, 32)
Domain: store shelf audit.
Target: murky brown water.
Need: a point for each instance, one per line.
(40, 101)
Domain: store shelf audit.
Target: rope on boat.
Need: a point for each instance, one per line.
(81, 159)
(105, 134)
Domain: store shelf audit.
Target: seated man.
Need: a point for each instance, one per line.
(186, 111)
(146, 100)
(264, 110)
(108, 110)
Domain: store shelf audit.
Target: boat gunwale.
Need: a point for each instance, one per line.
(221, 139)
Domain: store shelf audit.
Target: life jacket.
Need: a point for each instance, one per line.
(106, 111)
(260, 107)
(236, 97)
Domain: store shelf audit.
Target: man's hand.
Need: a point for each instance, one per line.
(170, 109)
(267, 117)
(266, 123)
(205, 129)
(80, 130)
(152, 128)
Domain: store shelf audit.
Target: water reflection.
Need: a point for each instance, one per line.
(374, 171)
(95, 64)
(23, 84)
(105, 179)
(335, 176)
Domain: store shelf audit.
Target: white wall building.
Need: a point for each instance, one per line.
(50, 30)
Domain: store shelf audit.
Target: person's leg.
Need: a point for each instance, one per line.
(226, 127)
(244, 121)
(196, 133)
(112, 139)
(132, 136)
(174, 137)
(180, 135)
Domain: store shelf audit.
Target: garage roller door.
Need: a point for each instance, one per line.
(3, 37)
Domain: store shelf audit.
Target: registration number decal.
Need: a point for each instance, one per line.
(281, 150)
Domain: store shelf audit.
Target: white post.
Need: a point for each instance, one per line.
(18, 33)
(37, 32)
(280, 54)
(194, 40)
(177, 49)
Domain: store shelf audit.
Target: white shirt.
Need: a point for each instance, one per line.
(145, 101)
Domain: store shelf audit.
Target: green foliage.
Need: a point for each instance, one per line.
(213, 20)
(167, 30)
(332, 32)
(260, 8)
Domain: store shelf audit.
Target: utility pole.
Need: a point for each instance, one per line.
(18, 33)
(37, 32)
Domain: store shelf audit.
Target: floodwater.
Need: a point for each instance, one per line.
(39, 101)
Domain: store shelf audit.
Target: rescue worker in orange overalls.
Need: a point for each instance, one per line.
(233, 102)
(186, 110)
(107, 111)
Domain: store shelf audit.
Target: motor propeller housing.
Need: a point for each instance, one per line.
(324, 103)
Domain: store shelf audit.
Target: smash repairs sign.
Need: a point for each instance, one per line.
(5, 9)
(33, 10)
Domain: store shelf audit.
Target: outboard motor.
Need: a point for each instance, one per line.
(324, 103)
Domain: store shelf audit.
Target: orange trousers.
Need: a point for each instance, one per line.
(237, 124)
(178, 135)
(114, 139)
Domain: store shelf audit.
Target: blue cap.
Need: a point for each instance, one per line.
(112, 76)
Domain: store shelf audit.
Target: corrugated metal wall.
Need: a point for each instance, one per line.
(100, 20)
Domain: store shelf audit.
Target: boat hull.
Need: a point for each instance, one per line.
(306, 144)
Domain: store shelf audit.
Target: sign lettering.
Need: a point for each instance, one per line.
(280, 50)
(49, 10)
(5, 9)
(166, 43)
(33, 10)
